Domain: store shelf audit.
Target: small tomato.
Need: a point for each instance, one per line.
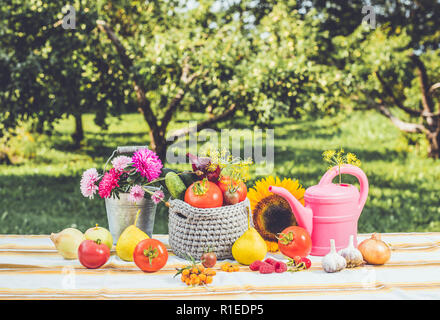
(225, 183)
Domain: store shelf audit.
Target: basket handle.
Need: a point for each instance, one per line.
(124, 149)
(177, 212)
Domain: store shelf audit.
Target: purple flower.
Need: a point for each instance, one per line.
(88, 183)
(147, 163)
(121, 162)
(136, 193)
(157, 196)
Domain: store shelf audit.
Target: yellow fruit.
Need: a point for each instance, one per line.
(249, 247)
(128, 241)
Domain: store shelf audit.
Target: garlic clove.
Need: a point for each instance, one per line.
(333, 262)
(352, 255)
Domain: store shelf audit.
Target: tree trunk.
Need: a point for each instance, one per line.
(78, 135)
(434, 145)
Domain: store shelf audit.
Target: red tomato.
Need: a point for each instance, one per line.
(204, 194)
(93, 254)
(295, 241)
(150, 255)
(225, 182)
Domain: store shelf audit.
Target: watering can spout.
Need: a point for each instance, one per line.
(303, 215)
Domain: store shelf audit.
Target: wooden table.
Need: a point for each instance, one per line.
(31, 268)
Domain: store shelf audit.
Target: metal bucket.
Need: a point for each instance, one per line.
(121, 213)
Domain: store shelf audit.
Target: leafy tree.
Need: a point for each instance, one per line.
(383, 71)
(215, 61)
(49, 72)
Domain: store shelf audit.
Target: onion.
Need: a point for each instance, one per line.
(203, 168)
(374, 250)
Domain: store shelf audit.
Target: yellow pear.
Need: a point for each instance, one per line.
(128, 240)
(249, 247)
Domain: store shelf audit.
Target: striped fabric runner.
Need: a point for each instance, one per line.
(31, 268)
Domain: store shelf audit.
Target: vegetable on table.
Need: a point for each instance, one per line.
(374, 250)
(150, 255)
(333, 261)
(294, 241)
(208, 259)
(67, 242)
(352, 255)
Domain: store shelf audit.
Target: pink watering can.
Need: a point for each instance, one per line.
(331, 210)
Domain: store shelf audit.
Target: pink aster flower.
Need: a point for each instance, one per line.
(109, 182)
(147, 163)
(157, 196)
(88, 183)
(136, 193)
(121, 162)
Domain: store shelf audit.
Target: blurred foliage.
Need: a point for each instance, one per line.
(43, 196)
(266, 58)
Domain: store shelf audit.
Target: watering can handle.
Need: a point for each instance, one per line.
(124, 149)
(354, 171)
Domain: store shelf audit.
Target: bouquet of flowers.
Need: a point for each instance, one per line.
(130, 175)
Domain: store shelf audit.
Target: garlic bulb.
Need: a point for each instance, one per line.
(352, 255)
(333, 262)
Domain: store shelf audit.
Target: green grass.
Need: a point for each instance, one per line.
(41, 195)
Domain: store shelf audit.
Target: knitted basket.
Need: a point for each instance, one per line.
(193, 230)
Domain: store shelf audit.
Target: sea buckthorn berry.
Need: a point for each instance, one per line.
(185, 272)
(208, 279)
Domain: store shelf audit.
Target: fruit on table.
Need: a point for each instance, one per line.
(249, 247)
(204, 194)
(208, 259)
(67, 242)
(175, 185)
(100, 233)
(196, 275)
(128, 241)
(150, 255)
(93, 254)
(294, 241)
(229, 267)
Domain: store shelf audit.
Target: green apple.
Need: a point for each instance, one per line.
(100, 233)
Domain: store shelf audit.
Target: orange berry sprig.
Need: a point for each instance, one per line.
(195, 274)
(229, 267)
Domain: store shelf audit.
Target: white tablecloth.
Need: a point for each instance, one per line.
(31, 268)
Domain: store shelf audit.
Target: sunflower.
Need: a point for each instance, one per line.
(271, 213)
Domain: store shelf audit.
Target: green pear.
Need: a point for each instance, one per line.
(101, 233)
(249, 247)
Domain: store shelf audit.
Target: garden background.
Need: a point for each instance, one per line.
(79, 78)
